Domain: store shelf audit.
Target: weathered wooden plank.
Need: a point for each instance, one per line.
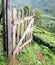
(9, 44)
(27, 35)
(22, 20)
(28, 18)
(31, 12)
(19, 14)
(18, 21)
(24, 30)
(22, 14)
(8, 28)
(23, 45)
(20, 42)
(18, 32)
(14, 14)
(14, 37)
(26, 25)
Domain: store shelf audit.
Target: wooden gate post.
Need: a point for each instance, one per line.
(8, 28)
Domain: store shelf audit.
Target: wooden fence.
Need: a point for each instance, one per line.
(18, 30)
(22, 25)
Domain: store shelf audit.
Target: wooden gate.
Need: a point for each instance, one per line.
(18, 29)
(21, 29)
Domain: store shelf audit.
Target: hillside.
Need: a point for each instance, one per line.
(41, 51)
(46, 6)
(35, 53)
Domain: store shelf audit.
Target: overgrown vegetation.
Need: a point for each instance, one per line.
(3, 60)
(44, 36)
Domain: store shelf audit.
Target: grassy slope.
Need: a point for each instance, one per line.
(33, 54)
(50, 17)
(45, 36)
(36, 55)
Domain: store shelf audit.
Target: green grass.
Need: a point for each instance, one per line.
(3, 60)
(29, 55)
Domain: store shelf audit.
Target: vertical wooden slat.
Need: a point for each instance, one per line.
(18, 28)
(28, 24)
(22, 23)
(29, 13)
(24, 28)
(14, 27)
(19, 14)
(33, 12)
(9, 34)
(26, 13)
(19, 18)
(18, 32)
(20, 35)
(30, 34)
(14, 36)
(14, 14)
(22, 14)
(25, 25)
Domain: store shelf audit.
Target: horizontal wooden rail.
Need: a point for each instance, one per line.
(28, 41)
(22, 46)
(15, 22)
